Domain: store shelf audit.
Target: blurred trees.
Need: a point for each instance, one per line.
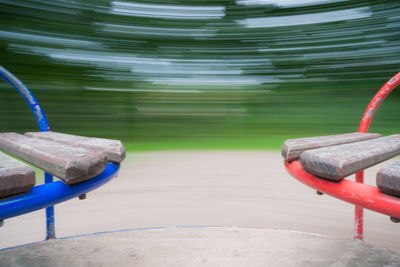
(194, 70)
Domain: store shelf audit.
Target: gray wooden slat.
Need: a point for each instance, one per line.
(336, 162)
(292, 148)
(113, 149)
(15, 177)
(388, 179)
(71, 164)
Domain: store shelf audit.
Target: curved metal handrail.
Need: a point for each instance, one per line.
(357, 193)
(50, 193)
(29, 98)
(40, 117)
(363, 128)
(376, 101)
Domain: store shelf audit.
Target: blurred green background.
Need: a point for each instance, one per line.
(244, 74)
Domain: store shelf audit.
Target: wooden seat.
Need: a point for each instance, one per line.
(336, 162)
(292, 148)
(388, 179)
(113, 149)
(69, 163)
(15, 176)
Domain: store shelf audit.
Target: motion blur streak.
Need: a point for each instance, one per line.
(167, 11)
(322, 17)
(286, 3)
(177, 70)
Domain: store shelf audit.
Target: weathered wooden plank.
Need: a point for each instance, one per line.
(336, 162)
(388, 179)
(113, 149)
(70, 164)
(292, 148)
(15, 176)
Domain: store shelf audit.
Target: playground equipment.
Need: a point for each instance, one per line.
(184, 245)
(323, 162)
(82, 163)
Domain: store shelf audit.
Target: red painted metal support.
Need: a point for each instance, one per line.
(359, 213)
(359, 223)
(357, 193)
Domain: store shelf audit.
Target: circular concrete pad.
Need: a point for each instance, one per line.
(200, 246)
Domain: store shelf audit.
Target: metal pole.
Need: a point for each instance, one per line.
(359, 213)
(50, 221)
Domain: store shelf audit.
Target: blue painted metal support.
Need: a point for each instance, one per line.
(50, 219)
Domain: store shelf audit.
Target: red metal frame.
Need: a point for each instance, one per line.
(357, 193)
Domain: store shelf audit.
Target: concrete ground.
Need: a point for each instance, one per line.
(198, 246)
(204, 188)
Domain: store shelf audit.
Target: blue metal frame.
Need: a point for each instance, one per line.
(51, 193)
(47, 195)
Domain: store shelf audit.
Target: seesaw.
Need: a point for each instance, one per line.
(82, 164)
(323, 162)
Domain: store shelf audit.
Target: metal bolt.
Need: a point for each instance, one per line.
(395, 220)
(81, 197)
(319, 193)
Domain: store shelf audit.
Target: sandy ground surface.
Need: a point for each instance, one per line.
(204, 188)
